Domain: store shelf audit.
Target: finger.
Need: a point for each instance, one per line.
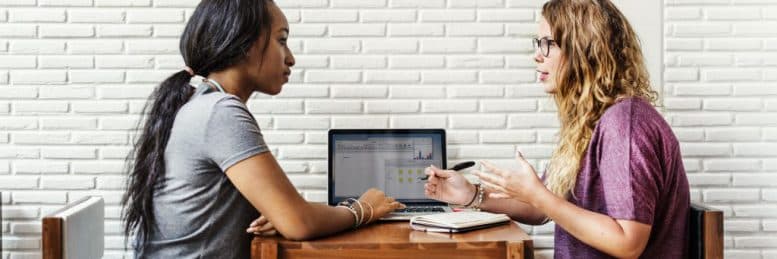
(490, 167)
(493, 188)
(267, 233)
(260, 221)
(498, 195)
(490, 178)
(266, 227)
(441, 173)
(521, 160)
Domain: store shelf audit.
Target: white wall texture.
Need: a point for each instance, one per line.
(74, 75)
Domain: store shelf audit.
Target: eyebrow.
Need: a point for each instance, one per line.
(284, 29)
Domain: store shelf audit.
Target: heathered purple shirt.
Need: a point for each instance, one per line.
(633, 170)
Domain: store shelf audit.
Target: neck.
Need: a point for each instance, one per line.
(231, 81)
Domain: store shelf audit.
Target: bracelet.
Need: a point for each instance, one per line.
(481, 194)
(473, 197)
(358, 217)
(370, 206)
(361, 212)
(355, 216)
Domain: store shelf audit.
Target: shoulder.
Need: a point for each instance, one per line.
(210, 103)
(630, 112)
(636, 119)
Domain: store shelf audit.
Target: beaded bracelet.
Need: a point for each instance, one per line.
(358, 217)
(479, 201)
(355, 216)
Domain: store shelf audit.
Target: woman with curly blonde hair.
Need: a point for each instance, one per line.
(615, 185)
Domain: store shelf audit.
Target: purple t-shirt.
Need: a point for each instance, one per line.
(633, 170)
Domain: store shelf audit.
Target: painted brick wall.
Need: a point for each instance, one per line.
(74, 75)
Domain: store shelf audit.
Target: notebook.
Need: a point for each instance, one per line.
(454, 222)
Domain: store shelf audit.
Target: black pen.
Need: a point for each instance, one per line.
(457, 167)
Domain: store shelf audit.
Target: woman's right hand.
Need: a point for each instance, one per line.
(448, 186)
(379, 203)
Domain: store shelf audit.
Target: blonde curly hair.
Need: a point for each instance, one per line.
(601, 61)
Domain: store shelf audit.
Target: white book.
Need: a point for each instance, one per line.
(454, 222)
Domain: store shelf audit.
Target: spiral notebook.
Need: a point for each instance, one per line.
(454, 222)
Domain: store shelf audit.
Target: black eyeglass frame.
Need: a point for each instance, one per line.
(538, 45)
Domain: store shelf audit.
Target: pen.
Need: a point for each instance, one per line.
(457, 167)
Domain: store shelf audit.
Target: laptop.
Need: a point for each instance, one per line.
(391, 160)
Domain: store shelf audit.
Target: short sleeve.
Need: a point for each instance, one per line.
(232, 134)
(629, 167)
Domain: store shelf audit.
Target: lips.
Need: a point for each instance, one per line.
(286, 75)
(543, 75)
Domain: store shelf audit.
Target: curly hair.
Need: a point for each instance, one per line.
(601, 60)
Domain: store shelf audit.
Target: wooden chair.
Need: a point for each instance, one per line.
(705, 232)
(1, 223)
(75, 231)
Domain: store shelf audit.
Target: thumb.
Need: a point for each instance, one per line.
(442, 173)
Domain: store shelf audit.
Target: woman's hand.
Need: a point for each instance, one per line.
(379, 204)
(448, 186)
(502, 184)
(261, 227)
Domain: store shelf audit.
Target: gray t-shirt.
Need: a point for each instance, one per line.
(198, 211)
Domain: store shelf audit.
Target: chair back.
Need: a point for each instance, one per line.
(75, 231)
(705, 232)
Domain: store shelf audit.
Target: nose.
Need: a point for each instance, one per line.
(290, 61)
(538, 57)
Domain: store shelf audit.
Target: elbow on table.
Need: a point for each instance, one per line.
(298, 228)
(298, 233)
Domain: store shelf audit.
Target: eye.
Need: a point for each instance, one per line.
(283, 41)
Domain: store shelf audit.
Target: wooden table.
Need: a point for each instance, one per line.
(397, 240)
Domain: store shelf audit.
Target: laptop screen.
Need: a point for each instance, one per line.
(390, 160)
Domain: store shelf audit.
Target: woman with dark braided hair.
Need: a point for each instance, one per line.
(201, 171)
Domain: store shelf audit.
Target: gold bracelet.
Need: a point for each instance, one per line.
(369, 205)
(481, 194)
(361, 212)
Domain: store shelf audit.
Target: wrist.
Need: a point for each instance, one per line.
(542, 197)
(479, 196)
(470, 195)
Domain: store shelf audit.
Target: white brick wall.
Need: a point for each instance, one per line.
(75, 73)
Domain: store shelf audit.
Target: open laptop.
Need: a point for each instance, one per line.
(391, 160)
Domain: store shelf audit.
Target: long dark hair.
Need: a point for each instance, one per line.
(219, 34)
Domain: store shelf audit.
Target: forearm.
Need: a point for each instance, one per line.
(322, 219)
(599, 231)
(515, 209)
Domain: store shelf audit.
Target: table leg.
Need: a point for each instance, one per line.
(520, 250)
(266, 249)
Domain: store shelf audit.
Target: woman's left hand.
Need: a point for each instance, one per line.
(503, 184)
(261, 227)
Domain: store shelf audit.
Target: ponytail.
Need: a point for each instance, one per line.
(148, 153)
(206, 46)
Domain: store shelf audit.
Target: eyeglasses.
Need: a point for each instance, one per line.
(543, 45)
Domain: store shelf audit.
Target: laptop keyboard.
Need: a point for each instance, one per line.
(417, 209)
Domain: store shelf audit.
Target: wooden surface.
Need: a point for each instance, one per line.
(397, 240)
(52, 238)
(713, 234)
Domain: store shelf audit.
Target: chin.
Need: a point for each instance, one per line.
(549, 88)
(275, 90)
